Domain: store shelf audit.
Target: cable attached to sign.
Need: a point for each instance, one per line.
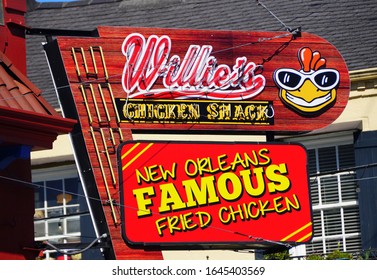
(287, 28)
(260, 239)
(277, 51)
(296, 32)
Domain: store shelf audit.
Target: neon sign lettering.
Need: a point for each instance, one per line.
(197, 75)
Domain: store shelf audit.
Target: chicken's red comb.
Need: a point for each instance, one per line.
(310, 60)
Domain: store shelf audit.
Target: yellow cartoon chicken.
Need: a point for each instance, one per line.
(311, 90)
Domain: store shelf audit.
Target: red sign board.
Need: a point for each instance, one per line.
(214, 193)
(151, 78)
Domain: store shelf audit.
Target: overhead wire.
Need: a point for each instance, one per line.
(99, 80)
(334, 172)
(287, 28)
(103, 236)
(248, 236)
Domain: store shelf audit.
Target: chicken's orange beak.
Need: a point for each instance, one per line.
(308, 98)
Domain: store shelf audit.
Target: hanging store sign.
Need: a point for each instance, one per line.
(214, 193)
(149, 78)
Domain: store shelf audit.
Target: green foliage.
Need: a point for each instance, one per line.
(315, 257)
(283, 255)
(338, 255)
(334, 255)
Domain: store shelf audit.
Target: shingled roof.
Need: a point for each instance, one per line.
(17, 92)
(25, 116)
(348, 25)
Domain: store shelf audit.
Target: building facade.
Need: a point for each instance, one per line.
(27, 123)
(341, 155)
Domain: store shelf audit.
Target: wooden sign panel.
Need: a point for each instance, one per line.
(151, 78)
(131, 78)
(214, 193)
